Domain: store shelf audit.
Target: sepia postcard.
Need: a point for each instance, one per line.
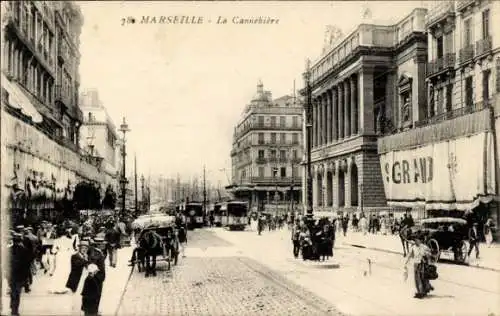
(217, 158)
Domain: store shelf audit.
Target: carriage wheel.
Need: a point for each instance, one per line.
(435, 251)
(461, 252)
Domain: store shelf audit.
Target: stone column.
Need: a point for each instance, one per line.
(366, 115)
(314, 124)
(347, 108)
(314, 188)
(335, 185)
(347, 185)
(268, 196)
(354, 105)
(323, 119)
(341, 110)
(325, 187)
(335, 114)
(329, 116)
(320, 120)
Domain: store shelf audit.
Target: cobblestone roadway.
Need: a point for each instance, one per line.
(218, 286)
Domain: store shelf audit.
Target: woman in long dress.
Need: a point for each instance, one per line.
(63, 248)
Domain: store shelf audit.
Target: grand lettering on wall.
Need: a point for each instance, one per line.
(451, 175)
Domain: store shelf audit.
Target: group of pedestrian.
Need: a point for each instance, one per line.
(313, 239)
(72, 257)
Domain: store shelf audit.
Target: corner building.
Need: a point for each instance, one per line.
(445, 162)
(354, 86)
(267, 152)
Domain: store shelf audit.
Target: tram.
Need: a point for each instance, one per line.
(193, 212)
(217, 213)
(234, 215)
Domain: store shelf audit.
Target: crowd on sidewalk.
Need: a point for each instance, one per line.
(72, 261)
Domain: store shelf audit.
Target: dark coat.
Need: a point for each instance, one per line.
(20, 263)
(97, 257)
(113, 238)
(91, 294)
(78, 262)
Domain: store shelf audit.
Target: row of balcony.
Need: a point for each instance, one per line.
(271, 180)
(264, 160)
(453, 114)
(449, 60)
(262, 126)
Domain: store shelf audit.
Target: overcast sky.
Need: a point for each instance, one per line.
(182, 88)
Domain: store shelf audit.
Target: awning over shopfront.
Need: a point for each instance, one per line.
(456, 174)
(19, 101)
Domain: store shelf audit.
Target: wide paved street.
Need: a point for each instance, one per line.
(214, 279)
(241, 273)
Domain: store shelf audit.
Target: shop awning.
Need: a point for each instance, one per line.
(18, 100)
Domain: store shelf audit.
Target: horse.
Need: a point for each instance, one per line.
(405, 235)
(171, 246)
(151, 244)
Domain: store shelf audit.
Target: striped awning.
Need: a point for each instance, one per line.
(18, 100)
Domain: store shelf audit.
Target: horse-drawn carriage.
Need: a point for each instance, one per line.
(157, 237)
(445, 234)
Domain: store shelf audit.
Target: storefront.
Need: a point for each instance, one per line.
(445, 169)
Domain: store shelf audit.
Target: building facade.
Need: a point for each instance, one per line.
(446, 162)
(354, 85)
(99, 137)
(40, 114)
(267, 151)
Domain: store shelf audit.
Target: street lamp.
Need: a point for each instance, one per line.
(123, 181)
(308, 110)
(143, 200)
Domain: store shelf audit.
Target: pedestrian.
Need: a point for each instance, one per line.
(31, 243)
(363, 223)
(91, 292)
(296, 240)
(112, 244)
(474, 240)
(419, 254)
(19, 272)
(345, 224)
(181, 227)
(79, 262)
(488, 232)
(62, 251)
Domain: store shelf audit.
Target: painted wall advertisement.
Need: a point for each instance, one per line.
(450, 175)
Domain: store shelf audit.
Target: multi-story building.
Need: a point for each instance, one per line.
(40, 113)
(446, 161)
(267, 151)
(363, 86)
(99, 137)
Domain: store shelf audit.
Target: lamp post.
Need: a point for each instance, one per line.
(143, 200)
(123, 181)
(308, 110)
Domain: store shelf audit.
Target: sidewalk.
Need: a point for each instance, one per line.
(489, 257)
(41, 302)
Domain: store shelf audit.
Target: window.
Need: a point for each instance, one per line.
(261, 138)
(261, 154)
(295, 121)
(467, 33)
(261, 172)
(439, 101)
(294, 153)
(283, 172)
(282, 154)
(24, 17)
(486, 85)
(273, 138)
(273, 121)
(469, 92)
(273, 154)
(295, 138)
(260, 120)
(449, 97)
(486, 23)
(282, 121)
(275, 172)
(448, 44)
(439, 47)
(282, 138)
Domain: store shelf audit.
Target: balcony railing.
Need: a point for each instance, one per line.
(483, 46)
(261, 160)
(63, 96)
(442, 10)
(279, 180)
(440, 64)
(466, 54)
(452, 114)
(260, 126)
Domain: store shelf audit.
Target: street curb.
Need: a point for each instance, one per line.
(400, 253)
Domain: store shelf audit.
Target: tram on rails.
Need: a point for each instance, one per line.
(193, 212)
(234, 215)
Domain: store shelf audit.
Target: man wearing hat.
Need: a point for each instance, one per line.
(19, 270)
(32, 245)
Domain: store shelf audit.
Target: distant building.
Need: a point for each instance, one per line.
(98, 136)
(267, 151)
(363, 87)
